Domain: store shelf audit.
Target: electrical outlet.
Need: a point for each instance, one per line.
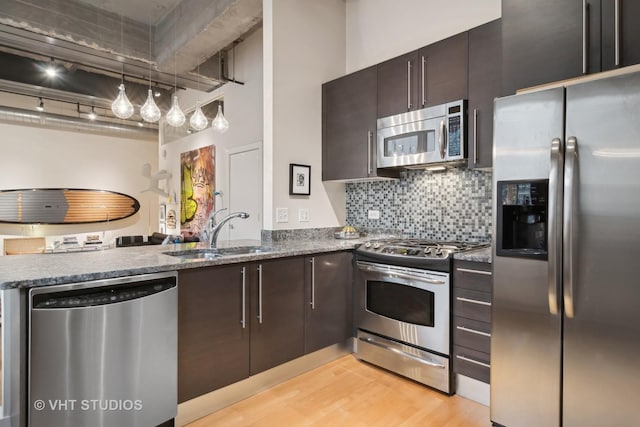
(303, 215)
(373, 214)
(282, 214)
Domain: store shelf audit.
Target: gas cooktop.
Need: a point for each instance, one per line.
(415, 248)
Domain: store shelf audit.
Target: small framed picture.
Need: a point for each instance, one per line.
(299, 180)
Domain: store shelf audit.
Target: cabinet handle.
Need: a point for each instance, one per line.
(617, 32)
(473, 331)
(408, 85)
(424, 82)
(475, 136)
(472, 271)
(260, 294)
(476, 362)
(585, 36)
(313, 283)
(473, 301)
(244, 297)
(369, 143)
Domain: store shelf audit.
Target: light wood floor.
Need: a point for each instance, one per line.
(350, 393)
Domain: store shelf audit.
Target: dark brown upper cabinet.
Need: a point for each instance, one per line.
(485, 66)
(349, 128)
(549, 40)
(432, 75)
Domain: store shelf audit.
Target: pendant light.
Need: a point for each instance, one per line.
(220, 123)
(175, 116)
(198, 120)
(122, 107)
(150, 111)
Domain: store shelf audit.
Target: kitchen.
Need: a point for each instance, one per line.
(302, 46)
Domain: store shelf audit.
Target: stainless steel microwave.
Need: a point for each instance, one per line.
(434, 135)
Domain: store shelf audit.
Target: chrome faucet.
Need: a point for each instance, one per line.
(217, 226)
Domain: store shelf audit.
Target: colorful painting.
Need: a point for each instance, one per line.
(197, 170)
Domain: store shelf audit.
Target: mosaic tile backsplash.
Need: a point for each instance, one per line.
(449, 205)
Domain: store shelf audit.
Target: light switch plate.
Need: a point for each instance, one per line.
(374, 214)
(303, 215)
(282, 214)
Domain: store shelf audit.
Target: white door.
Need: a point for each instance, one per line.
(245, 191)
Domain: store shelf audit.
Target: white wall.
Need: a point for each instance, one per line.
(243, 109)
(378, 30)
(34, 157)
(304, 46)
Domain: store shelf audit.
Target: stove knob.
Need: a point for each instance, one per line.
(367, 245)
(427, 251)
(439, 252)
(376, 245)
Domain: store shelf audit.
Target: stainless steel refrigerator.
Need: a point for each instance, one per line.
(565, 347)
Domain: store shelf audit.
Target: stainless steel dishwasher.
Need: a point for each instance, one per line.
(103, 353)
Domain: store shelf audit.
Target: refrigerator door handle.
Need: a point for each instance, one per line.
(554, 229)
(569, 223)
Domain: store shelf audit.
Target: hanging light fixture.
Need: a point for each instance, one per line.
(150, 111)
(51, 70)
(175, 116)
(92, 115)
(40, 106)
(198, 120)
(122, 107)
(220, 123)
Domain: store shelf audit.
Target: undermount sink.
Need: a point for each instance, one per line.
(213, 253)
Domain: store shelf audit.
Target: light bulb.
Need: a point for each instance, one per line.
(220, 123)
(40, 106)
(175, 116)
(150, 111)
(122, 107)
(92, 114)
(198, 120)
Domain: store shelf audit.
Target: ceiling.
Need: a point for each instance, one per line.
(96, 43)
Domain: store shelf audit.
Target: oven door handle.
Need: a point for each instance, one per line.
(401, 274)
(402, 353)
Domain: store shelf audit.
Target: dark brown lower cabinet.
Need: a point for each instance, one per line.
(472, 289)
(328, 313)
(277, 312)
(213, 345)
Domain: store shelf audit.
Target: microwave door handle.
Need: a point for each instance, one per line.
(569, 226)
(442, 139)
(554, 229)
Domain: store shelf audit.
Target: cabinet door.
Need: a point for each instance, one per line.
(328, 316)
(213, 345)
(622, 37)
(485, 65)
(443, 71)
(349, 127)
(277, 308)
(398, 85)
(542, 42)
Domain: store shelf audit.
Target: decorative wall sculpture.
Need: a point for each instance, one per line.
(197, 170)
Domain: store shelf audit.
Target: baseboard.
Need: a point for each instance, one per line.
(472, 389)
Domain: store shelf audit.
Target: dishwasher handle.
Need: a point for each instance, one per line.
(91, 297)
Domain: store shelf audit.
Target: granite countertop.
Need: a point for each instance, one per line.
(477, 255)
(26, 271)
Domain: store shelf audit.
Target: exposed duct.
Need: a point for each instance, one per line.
(55, 121)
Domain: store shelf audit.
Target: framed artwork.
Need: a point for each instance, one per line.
(299, 180)
(197, 180)
(162, 212)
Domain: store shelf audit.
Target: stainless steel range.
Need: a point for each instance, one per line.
(403, 307)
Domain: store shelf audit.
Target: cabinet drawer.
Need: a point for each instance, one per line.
(471, 304)
(472, 334)
(472, 275)
(472, 363)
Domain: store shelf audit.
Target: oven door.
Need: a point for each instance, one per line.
(406, 304)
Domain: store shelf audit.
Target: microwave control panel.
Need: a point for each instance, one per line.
(454, 137)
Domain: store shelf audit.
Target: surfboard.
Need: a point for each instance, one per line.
(64, 206)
